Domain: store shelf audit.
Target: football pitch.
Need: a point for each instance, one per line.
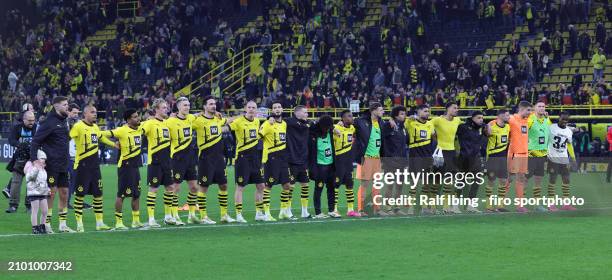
(562, 245)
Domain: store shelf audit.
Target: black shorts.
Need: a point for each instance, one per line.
(184, 167)
(298, 173)
(536, 166)
(323, 175)
(497, 165)
(128, 181)
(450, 161)
(344, 171)
(391, 164)
(276, 171)
(420, 163)
(248, 170)
(471, 164)
(57, 179)
(88, 181)
(558, 168)
(158, 175)
(211, 170)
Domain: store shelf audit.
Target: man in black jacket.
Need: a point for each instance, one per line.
(395, 156)
(367, 151)
(53, 138)
(20, 138)
(471, 139)
(298, 128)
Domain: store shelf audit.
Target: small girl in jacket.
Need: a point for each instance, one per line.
(38, 191)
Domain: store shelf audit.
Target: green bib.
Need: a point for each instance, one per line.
(373, 149)
(538, 134)
(324, 151)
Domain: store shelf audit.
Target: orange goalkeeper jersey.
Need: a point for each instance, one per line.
(518, 135)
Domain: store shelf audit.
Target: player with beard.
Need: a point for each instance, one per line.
(446, 130)
(274, 159)
(471, 139)
(420, 134)
(52, 137)
(209, 127)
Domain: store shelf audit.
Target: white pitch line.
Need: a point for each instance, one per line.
(309, 221)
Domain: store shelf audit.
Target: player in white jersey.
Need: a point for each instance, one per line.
(559, 146)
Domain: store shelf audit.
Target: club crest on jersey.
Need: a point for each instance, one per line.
(80, 188)
(51, 180)
(524, 129)
(282, 136)
(252, 133)
(137, 140)
(154, 180)
(186, 132)
(349, 138)
(214, 130)
(165, 133)
(94, 139)
(423, 133)
(240, 179)
(504, 138)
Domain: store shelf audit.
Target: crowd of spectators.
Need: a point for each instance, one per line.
(396, 62)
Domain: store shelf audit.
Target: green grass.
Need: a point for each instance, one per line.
(565, 245)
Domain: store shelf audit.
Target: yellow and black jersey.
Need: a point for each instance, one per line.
(209, 135)
(86, 138)
(158, 139)
(343, 143)
(420, 133)
(181, 133)
(274, 138)
(498, 140)
(130, 141)
(246, 133)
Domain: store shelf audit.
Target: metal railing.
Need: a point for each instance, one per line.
(130, 6)
(231, 72)
(582, 112)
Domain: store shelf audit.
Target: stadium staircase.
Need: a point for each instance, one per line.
(563, 70)
(127, 8)
(234, 70)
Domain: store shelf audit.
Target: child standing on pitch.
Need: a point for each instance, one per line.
(38, 190)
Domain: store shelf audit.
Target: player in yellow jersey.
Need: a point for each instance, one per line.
(183, 160)
(446, 131)
(498, 134)
(130, 141)
(420, 135)
(159, 169)
(208, 127)
(248, 157)
(88, 180)
(276, 166)
(343, 144)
